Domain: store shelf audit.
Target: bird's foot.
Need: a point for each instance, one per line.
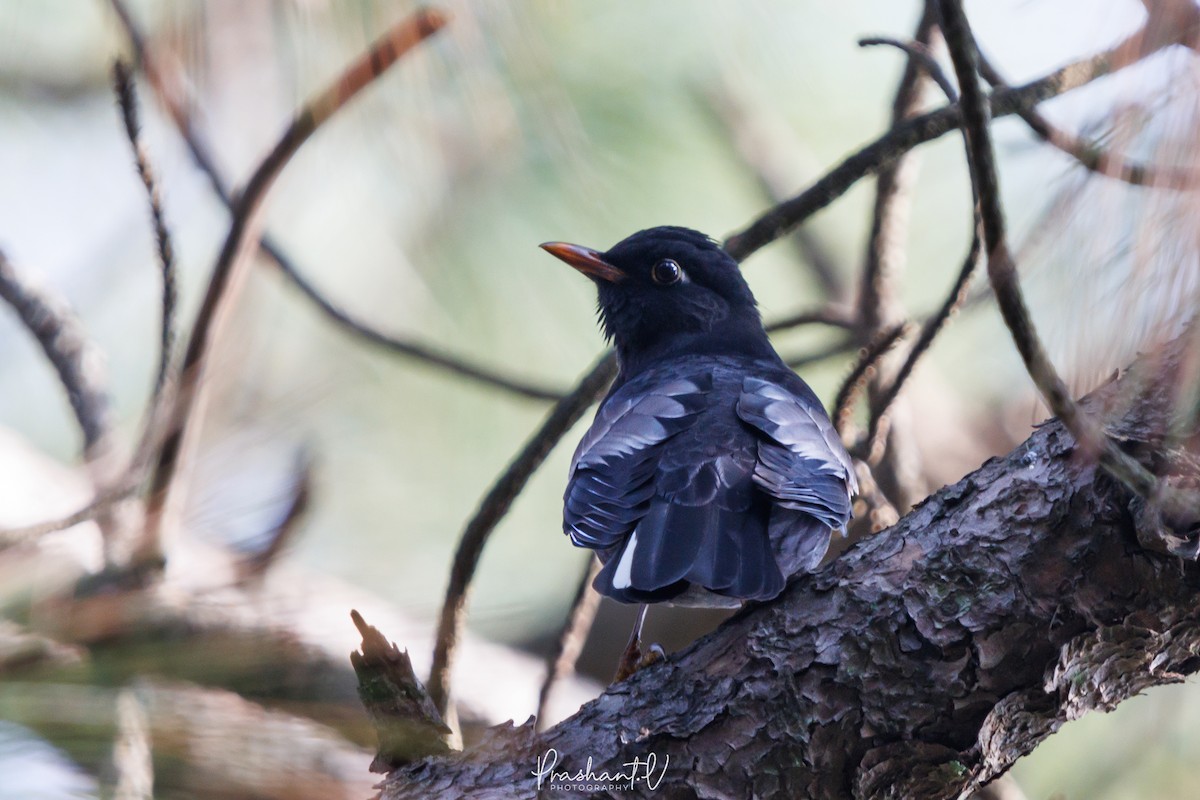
(634, 658)
(651, 656)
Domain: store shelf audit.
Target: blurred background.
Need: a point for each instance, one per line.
(419, 208)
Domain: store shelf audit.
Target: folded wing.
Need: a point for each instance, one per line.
(611, 484)
(801, 465)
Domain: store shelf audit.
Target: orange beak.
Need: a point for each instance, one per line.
(584, 259)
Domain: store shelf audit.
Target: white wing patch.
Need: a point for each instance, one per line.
(622, 578)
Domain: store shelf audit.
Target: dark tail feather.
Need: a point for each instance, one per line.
(799, 540)
(726, 552)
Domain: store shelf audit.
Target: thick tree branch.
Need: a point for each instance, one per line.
(921, 663)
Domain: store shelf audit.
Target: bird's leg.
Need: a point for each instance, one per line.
(633, 650)
(633, 658)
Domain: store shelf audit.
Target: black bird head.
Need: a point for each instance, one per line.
(669, 291)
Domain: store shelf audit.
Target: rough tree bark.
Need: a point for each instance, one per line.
(921, 663)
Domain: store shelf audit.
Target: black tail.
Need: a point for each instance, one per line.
(675, 546)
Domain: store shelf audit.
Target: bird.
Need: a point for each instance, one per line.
(711, 474)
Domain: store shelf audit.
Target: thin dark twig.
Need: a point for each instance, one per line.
(95, 508)
(878, 294)
(882, 513)
(1092, 156)
(849, 344)
(283, 530)
(127, 98)
(921, 53)
(929, 330)
(572, 637)
(126, 93)
(766, 146)
(785, 216)
(67, 348)
(1002, 269)
(837, 348)
(494, 506)
(171, 96)
(857, 380)
(169, 93)
(833, 316)
(395, 344)
(231, 263)
(883, 401)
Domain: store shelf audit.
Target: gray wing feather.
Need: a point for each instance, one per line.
(626, 424)
(611, 484)
(801, 462)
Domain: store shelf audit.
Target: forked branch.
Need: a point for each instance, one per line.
(233, 259)
(170, 90)
(787, 215)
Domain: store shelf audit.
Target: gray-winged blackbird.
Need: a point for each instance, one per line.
(711, 473)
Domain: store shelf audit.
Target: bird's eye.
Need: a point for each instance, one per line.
(666, 272)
